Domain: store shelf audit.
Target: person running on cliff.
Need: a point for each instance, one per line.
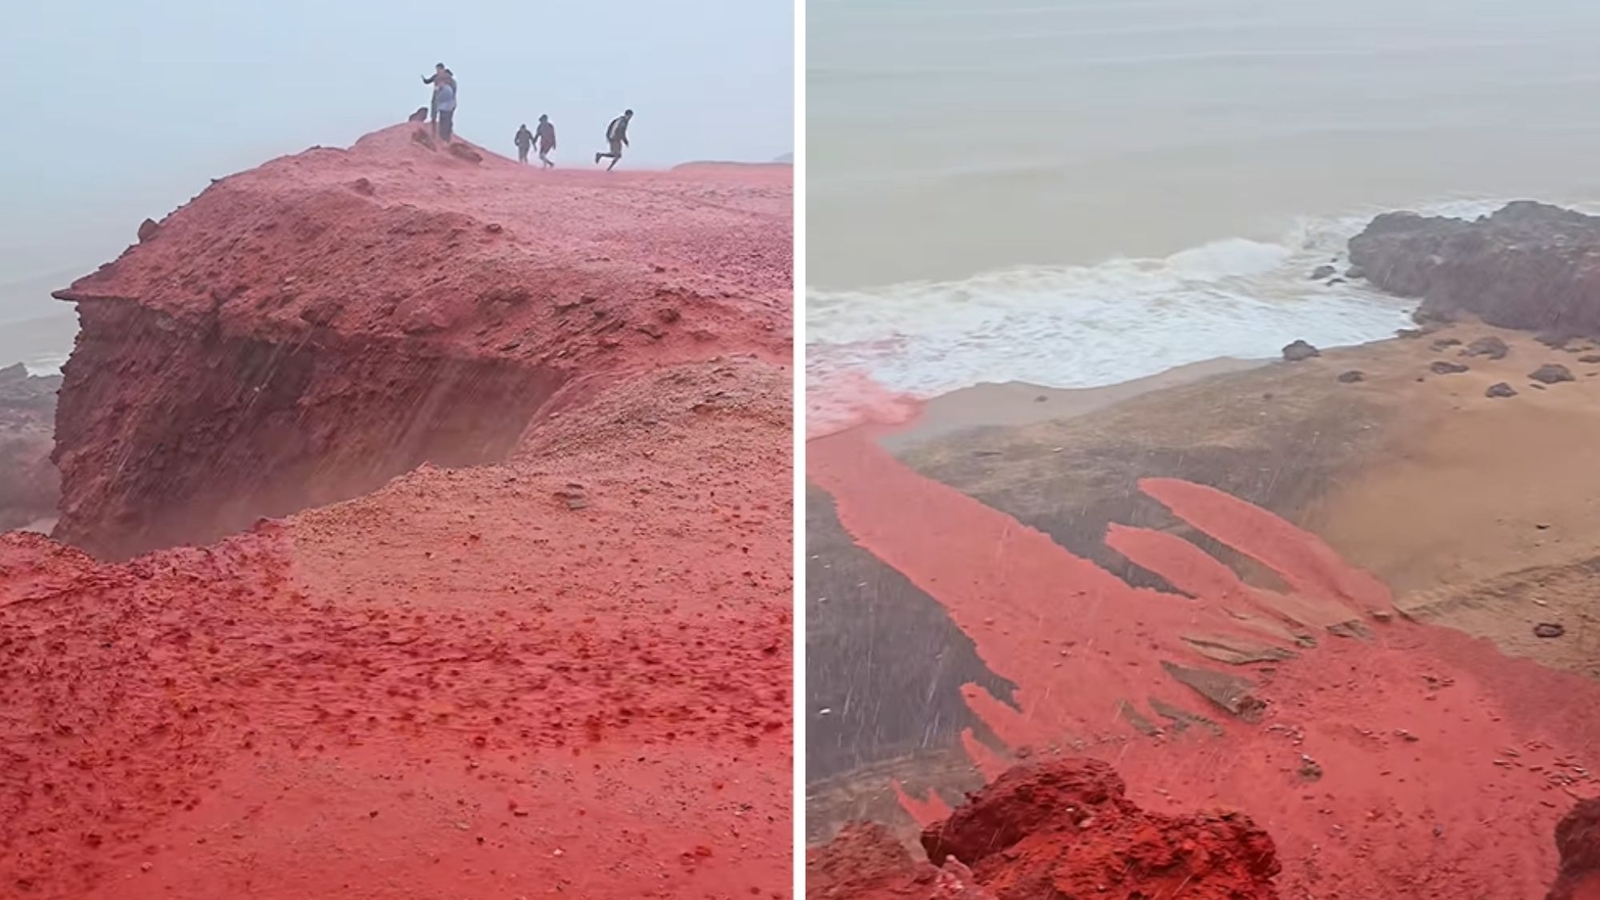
(547, 141)
(446, 102)
(617, 137)
(524, 141)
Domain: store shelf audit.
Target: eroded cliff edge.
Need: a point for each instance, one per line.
(525, 624)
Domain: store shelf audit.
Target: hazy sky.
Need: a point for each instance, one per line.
(122, 109)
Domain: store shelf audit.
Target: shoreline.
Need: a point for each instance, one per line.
(1474, 512)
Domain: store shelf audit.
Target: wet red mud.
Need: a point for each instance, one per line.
(563, 671)
(1384, 757)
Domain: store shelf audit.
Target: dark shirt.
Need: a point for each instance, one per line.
(618, 129)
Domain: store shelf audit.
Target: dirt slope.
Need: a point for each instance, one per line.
(563, 668)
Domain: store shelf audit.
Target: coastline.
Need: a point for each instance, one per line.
(1475, 512)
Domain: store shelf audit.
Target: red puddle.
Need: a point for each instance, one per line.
(1444, 765)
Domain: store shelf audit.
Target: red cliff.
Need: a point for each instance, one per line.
(522, 623)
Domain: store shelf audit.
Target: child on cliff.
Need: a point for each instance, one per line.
(547, 141)
(524, 142)
(617, 137)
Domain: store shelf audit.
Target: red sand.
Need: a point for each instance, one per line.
(1060, 829)
(566, 673)
(1443, 765)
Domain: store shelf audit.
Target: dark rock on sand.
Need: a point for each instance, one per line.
(1491, 347)
(1300, 350)
(1445, 343)
(1441, 367)
(1500, 390)
(1548, 630)
(1591, 358)
(29, 483)
(1529, 266)
(1551, 373)
(1321, 272)
(1352, 376)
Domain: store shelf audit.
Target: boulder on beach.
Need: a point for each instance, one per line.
(1300, 350)
(1551, 373)
(1500, 389)
(1530, 266)
(1442, 367)
(1490, 347)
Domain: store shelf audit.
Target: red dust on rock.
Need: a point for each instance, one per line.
(451, 683)
(1059, 829)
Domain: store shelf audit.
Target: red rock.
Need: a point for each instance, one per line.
(1058, 829)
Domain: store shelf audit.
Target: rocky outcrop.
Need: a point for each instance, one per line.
(301, 333)
(529, 436)
(1059, 829)
(1529, 266)
(29, 485)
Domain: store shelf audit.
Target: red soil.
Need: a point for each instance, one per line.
(563, 671)
(1061, 829)
(1413, 762)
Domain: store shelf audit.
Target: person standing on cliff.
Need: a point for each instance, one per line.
(446, 102)
(617, 137)
(547, 141)
(441, 76)
(524, 142)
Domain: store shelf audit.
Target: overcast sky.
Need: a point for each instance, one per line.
(122, 109)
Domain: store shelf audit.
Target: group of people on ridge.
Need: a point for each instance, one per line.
(442, 114)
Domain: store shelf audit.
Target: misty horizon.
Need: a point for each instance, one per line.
(162, 98)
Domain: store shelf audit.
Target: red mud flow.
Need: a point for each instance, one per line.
(1059, 829)
(1385, 758)
(521, 625)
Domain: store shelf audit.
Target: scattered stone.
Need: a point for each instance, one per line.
(363, 187)
(1548, 630)
(1591, 358)
(1309, 770)
(1537, 387)
(1409, 334)
(1553, 341)
(1491, 347)
(1352, 376)
(1443, 343)
(421, 115)
(148, 229)
(1443, 367)
(1300, 350)
(1551, 373)
(1500, 389)
(1355, 272)
(1333, 281)
(1321, 272)
(494, 228)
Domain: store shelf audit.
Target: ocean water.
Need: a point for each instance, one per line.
(1082, 192)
